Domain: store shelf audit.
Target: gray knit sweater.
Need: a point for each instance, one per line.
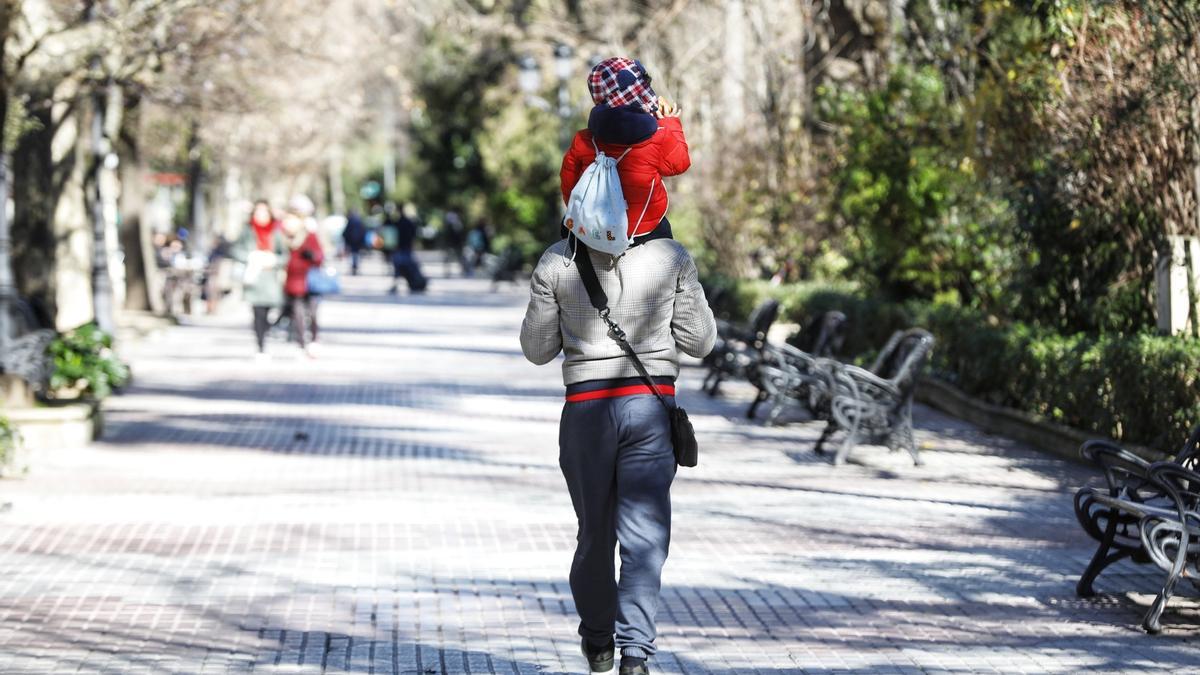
(654, 296)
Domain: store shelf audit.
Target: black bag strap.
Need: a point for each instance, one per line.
(599, 300)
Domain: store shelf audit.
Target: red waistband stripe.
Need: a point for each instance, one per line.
(664, 389)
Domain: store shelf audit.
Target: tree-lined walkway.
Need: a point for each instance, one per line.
(396, 506)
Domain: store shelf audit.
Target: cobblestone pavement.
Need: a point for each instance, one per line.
(396, 507)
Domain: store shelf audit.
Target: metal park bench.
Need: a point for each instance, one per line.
(876, 404)
(801, 373)
(1139, 514)
(739, 347)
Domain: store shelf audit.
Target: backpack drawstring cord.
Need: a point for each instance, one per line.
(574, 245)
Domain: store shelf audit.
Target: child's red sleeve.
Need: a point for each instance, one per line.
(675, 159)
(572, 165)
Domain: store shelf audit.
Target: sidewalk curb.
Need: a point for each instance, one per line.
(1056, 439)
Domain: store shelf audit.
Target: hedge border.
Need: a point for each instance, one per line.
(1140, 389)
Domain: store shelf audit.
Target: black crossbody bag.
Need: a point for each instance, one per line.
(683, 436)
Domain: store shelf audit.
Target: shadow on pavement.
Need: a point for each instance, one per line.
(436, 298)
(410, 394)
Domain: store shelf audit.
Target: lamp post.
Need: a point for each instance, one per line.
(529, 77)
(102, 300)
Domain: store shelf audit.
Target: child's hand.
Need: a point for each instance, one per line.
(667, 109)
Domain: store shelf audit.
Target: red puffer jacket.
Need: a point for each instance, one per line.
(296, 283)
(664, 153)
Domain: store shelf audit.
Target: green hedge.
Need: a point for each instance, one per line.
(1137, 388)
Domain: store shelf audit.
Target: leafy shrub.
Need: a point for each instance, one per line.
(920, 218)
(85, 355)
(10, 438)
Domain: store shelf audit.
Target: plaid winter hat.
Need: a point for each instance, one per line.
(619, 82)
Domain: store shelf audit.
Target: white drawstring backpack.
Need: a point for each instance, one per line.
(597, 213)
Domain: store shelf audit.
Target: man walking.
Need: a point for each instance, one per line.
(615, 447)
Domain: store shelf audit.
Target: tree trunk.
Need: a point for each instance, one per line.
(52, 234)
(1194, 129)
(8, 289)
(337, 190)
(389, 140)
(895, 30)
(733, 75)
(197, 221)
(35, 186)
(8, 11)
(134, 241)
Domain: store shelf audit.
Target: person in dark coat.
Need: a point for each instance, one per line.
(454, 234)
(355, 238)
(404, 262)
(479, 244)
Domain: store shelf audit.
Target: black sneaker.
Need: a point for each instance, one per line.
(631, 665)
(599, 660)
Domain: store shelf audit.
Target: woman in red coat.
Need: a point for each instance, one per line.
(305, 255)
(629, 115)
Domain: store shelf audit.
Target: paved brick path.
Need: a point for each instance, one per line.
(396, 506)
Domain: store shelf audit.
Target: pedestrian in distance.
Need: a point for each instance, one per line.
(616, 448)
(354, 237)
(262, 252)
(479, 244)
(454, 236)
(304, 255)
(216, 281)
(403, 236)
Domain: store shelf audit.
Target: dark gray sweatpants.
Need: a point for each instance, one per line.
(617, 458)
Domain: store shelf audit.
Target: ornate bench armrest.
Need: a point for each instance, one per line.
(826, 366)
(797, 358)
(1127, 474)
(869, 383)
(1093, 450)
